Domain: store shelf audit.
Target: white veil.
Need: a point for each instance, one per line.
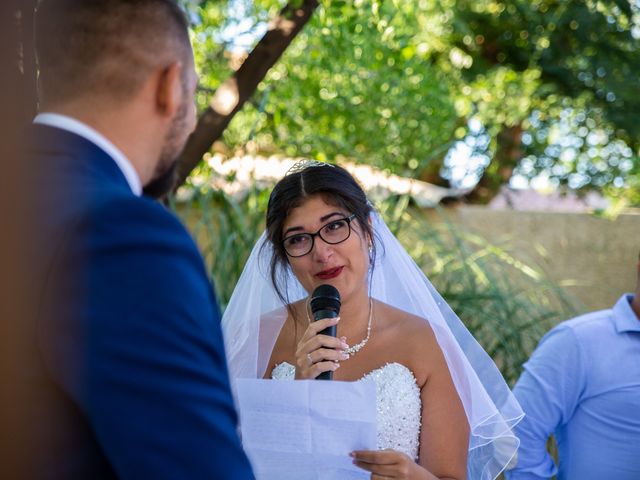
(255, 315)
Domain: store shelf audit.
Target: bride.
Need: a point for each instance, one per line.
(443, 409)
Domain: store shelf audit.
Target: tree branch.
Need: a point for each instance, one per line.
(235, 91)
(499, 171)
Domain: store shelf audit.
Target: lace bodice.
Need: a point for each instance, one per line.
(398, 405)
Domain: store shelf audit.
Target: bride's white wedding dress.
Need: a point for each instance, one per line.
(398, 405)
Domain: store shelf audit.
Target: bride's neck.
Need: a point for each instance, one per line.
(354, 317)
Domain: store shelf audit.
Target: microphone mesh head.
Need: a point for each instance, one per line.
(325, 297)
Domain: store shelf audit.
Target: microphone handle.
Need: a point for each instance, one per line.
(331, 331)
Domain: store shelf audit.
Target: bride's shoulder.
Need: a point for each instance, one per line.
(405, 324)
(411, 339)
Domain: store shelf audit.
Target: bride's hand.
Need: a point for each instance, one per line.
(319, 353)
(389, 464)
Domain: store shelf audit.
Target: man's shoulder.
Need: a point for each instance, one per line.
(141, 242)
(589, 321)
(141, 213)
(588, 326)
(120, 225)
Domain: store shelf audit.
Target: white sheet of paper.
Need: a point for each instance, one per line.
(305, 429)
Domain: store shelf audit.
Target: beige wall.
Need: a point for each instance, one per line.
(595, 257)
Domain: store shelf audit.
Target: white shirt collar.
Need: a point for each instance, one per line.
(75, 126)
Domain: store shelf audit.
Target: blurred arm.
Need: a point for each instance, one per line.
(549, 390)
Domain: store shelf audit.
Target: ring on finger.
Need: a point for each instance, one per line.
(310, 359)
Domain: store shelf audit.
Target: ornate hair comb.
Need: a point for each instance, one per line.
(301, 165)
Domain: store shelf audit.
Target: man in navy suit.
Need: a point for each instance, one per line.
(128, 369)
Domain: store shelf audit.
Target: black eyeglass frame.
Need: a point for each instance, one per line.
(313, 236)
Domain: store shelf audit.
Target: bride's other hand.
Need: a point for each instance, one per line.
(319, 353)
(384, 464)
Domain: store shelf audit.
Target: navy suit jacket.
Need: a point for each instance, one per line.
(128, 363)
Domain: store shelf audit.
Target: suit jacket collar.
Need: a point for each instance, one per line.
(53, 142)
(73, 125)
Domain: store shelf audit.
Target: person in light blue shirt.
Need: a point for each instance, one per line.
(582, 384)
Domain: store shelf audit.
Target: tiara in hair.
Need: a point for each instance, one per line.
(301, 165)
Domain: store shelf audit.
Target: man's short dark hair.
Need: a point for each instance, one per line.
(105, 47)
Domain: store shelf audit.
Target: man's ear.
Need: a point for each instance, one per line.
(169, 89)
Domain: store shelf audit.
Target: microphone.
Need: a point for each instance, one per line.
(325, 303)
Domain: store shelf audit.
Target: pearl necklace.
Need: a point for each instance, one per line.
(358, 346)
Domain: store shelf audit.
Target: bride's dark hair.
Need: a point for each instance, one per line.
(335, 185)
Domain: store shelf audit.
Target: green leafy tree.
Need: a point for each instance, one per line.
(348, 87)
(554, 83)
(231, 95)
(396, 84)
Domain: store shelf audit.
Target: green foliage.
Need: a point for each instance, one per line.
(222, 30)
(395, 84)
(352, 84)
(505, 303)
(579, 47)
(567, 67)
(626, 196)
(579, 150)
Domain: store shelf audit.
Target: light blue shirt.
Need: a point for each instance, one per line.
(583, 385)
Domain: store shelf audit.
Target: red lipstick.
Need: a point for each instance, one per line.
(330, 273)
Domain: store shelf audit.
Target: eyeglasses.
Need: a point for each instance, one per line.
(299, 244)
